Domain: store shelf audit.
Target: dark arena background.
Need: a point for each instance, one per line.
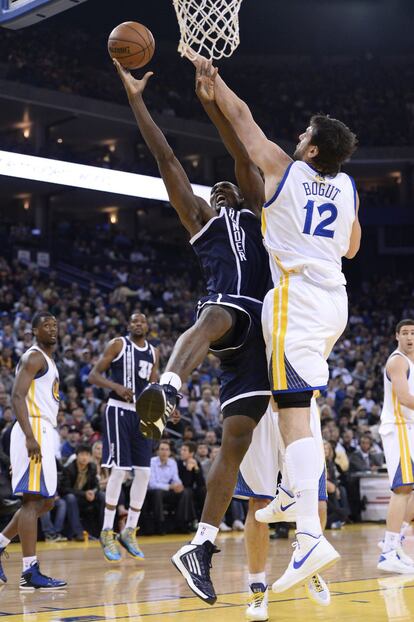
(87, 233)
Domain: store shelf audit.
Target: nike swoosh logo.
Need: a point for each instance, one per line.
(286, 507)
(298, 564)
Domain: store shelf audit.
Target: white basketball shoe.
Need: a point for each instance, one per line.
(393, 562)
(281, 510)
(257, 611)
(311, 554)
(317, 590)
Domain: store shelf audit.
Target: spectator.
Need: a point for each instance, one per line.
(90, 403)
(202, 456)
(80, 490)
(69, 447)
(191, 475)
(365, 458)
(337, 510)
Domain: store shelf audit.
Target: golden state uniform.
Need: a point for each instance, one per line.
(306, 227)
(42, 401)
(397, 431)
(258, 473)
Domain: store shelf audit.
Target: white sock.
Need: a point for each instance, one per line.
(169, 377)
(258, 577)
(391, 541)
(205, 532)
(28, 561)
(109, 517)
(302, 466)
(403, 528)
(132, 519)
(3, 541)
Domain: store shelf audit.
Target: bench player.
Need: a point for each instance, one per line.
(35, 399)
(132, 363)
(397, 434)
(227, 240)
(309, 222)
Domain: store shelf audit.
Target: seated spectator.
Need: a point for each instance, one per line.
(337, 506)
(348, 441)
(53, 522)
(365, 458)
(166, 489)
(90, 403)
(80, 489)
(68, 448)
(196, 420)
(191, 475)
(175, 425)
(101, 472)
(202, 456)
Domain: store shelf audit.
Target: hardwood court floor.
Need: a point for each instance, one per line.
(153, 590)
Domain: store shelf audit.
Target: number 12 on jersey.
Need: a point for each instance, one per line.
(321, 229)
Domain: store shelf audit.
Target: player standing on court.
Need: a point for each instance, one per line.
(397, 433)
(35, 399)
(227, 239)
(132, 363)
(309, 222)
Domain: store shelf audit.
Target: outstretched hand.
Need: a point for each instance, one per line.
(205, 77)
(132, 86)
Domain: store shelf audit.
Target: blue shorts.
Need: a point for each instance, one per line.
(243, 362)
(124, 446)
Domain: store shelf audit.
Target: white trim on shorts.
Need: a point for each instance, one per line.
(243, 396)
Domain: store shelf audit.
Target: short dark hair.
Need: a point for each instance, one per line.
(164, 441)
(192, 447)
(335, 141)
(83, 448)
(39, 316)
(407, 322)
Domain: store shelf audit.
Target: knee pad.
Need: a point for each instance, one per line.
(301, 399)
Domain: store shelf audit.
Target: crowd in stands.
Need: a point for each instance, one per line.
(282, 91)
(89, 317)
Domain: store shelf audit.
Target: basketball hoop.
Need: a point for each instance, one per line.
(208, 27)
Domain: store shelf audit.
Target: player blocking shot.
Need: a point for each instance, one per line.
(132, 363)
(35, 399)
(397, 434)
(309, 222)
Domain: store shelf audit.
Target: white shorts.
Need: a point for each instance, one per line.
(259, 470)
(398, 443)
(27, 476)
(301, 323)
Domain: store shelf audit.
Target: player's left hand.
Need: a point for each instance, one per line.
(132, 86)
(205, 76)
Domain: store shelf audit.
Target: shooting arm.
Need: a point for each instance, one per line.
(268, 156)
(397, 369)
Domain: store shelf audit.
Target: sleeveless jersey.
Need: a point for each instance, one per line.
(42, 399)
(132, 367)
(307, 224)
(232, 256)
(392, 410)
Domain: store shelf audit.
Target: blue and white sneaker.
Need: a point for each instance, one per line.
(154, 405)
(194, 563)
(3, 578)
(311, 555)
(109, 543)
(393, 562)
(128, 539)
(281, 510)
(33, 579)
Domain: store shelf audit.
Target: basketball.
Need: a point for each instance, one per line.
(132, 44)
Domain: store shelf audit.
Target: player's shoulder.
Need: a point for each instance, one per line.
(115, 345)
(397, 361)
(33, 357)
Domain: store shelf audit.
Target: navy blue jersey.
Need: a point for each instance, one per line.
(132, 367)
(232, 255)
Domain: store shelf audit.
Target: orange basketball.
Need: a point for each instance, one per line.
(132, 44)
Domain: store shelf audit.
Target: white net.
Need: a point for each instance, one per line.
(208, 27)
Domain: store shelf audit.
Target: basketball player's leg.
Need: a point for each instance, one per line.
(215, 325)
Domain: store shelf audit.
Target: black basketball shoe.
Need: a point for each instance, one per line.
(155, 404)
(194, 563)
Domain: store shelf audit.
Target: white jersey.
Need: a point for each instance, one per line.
(307, 224)
(392, 411)
(42, 399)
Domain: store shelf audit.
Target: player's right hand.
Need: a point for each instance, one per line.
(33, 449)
(205, 76)
(132, 86)
(124, 393)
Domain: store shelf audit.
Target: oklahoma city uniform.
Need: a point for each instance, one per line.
(236, 268)
(259, 470)
(306, 228)
(124, 446)
(42, 401)
(397, 431)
